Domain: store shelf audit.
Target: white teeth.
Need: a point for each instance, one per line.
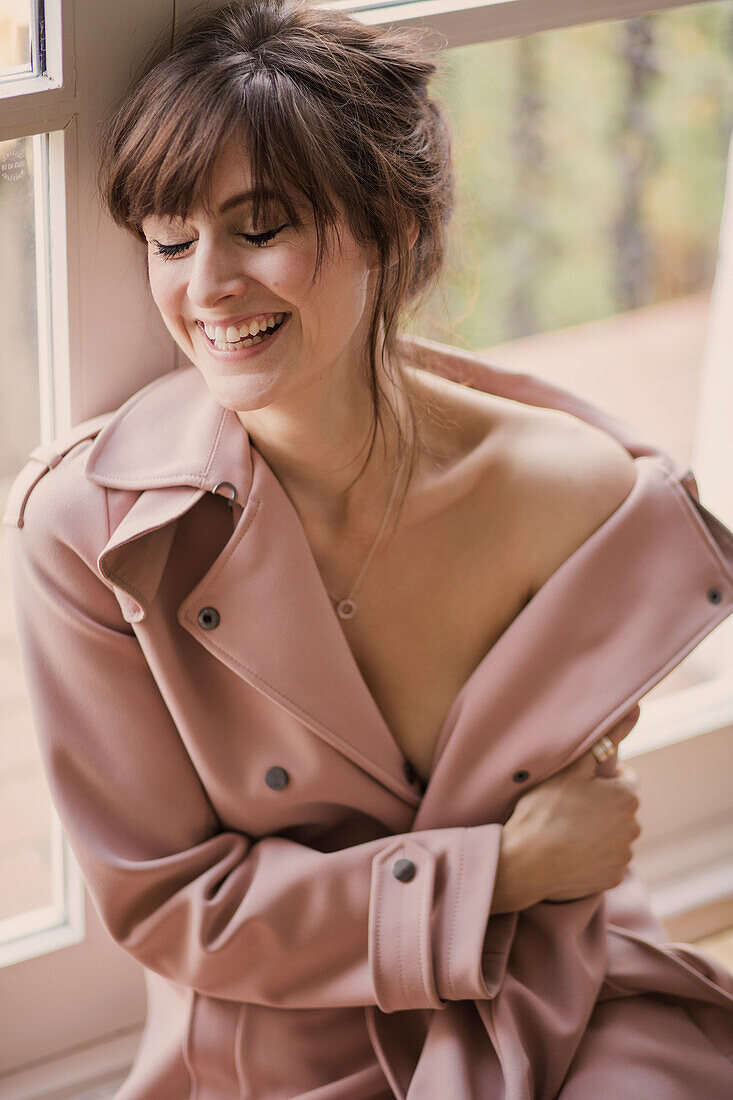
(225, 339)
(232, 335)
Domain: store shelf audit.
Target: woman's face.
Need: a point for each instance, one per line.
(216, 277)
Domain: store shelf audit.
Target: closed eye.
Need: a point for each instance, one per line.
(257, 239)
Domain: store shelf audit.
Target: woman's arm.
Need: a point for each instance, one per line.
(269, 920)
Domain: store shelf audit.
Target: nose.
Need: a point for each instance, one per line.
(217, 273)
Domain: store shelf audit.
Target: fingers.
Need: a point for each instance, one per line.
(622, 728)
(586, 764)
(629, 774)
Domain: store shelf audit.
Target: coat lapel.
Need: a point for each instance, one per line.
(168, 445)
(279, 631)
(172, 443)
(618, 615)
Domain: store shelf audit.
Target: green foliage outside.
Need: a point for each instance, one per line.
(554, 140)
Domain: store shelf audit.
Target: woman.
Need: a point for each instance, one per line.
(285, 780)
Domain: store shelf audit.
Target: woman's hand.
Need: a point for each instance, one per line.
(571, 835)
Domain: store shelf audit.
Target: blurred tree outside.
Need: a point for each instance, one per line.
(590, 165)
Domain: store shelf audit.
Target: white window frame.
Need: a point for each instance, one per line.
(59, 981)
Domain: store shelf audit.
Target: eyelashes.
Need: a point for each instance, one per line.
(168, 251)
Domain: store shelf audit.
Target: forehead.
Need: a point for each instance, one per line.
(232, 200)
(229, 186)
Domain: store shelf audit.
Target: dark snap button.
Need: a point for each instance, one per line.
(521, 775)
(277, 778)
(404, 869)
(715, 595)
(208, 618)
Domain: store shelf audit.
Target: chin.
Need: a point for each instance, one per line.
(235, 392)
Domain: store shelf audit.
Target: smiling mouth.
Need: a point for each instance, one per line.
(244, 342)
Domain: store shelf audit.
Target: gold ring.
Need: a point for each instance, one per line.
(603, 749)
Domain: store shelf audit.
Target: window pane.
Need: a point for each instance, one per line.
(16, 19)
(25, 820)
(591, 173)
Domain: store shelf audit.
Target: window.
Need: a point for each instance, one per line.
(20, 38)
(591, 146)
(592, 172)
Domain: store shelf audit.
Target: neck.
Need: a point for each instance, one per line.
(315, 442)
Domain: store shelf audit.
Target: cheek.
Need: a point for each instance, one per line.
(338, 296)
(289, 276)
(161, 287)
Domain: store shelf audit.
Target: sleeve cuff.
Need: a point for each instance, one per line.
(400, 911)
(432, 938)
(471, 945)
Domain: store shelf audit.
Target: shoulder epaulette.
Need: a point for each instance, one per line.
(42, 459)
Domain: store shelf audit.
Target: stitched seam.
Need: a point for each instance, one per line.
(173, 479)
(378, 934)
(454, 918)
(423, 962)
(408, 795)
(698, 525)
(400, 953)
(640, 691)
(354, 753)
(135, 400)
(217, 441)
(247, 523)
(106, 512)
(129, 588)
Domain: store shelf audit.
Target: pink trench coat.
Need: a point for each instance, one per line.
(238, 805)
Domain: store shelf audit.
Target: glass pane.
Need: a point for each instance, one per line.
(591, 173)
(25, 816)
(16, 20)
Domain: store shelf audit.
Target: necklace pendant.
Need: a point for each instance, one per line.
(346, 609)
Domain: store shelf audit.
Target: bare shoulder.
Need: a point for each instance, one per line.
(569, 477)
(553, 478)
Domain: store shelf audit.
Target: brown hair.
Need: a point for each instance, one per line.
(325, 106)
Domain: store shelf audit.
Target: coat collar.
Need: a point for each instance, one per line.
(172, 442)
(622, 611)
(172, 433)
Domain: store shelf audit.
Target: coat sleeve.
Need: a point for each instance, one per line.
(402, 921)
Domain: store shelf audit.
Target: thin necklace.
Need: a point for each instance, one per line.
(346, 608)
